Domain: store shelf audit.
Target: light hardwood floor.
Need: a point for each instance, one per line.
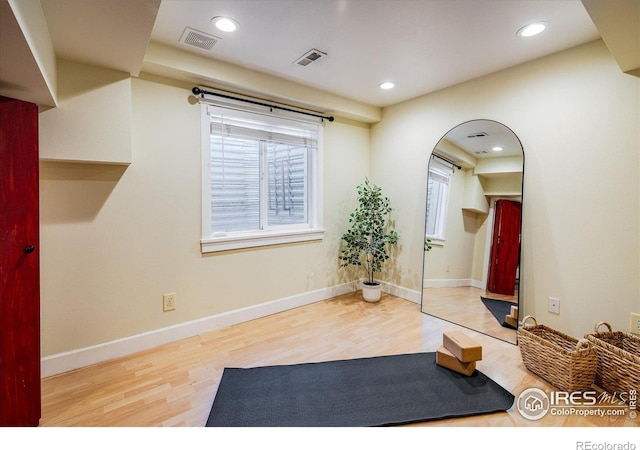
(175, 384)
(462, 305)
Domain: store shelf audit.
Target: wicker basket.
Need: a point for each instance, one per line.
(618, 369)
(564, 361)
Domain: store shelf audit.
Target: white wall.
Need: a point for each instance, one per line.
(578, 117)
(105, 131)
(114, 239)
(454, 259)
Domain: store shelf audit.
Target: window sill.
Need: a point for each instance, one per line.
(238, 241)
(438, 242)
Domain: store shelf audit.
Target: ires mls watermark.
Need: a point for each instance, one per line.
(534, 404)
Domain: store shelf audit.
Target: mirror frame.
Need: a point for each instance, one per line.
(489, 232)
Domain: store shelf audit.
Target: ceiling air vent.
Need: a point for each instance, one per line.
(198, 39)
(476, 135)
(311, 56)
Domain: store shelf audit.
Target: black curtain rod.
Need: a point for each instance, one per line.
(446, 160)
(201, 92)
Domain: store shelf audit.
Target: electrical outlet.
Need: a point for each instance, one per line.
(168, 302)
(554, 305)
(634, 327)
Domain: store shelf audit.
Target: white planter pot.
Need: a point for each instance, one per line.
(371, 293)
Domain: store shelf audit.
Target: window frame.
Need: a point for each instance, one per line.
(445, 172)
(274, 235)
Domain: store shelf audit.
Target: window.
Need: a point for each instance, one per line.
(260, 179)
(437, 201)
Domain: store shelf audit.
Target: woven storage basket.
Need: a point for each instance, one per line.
(564, 361)
(618, 369)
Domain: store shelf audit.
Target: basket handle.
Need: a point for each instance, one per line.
(583, 344)
(535, 322)
(599, 324)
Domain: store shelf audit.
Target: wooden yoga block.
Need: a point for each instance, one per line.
(514, 312)
(446, 359)
(513, 321)
(462, 346)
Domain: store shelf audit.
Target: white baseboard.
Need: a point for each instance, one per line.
(399, 291)
(75, 359)
(436, 283)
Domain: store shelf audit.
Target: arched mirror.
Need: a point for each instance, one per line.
(473, 227)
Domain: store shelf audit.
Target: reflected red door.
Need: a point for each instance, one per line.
(19, 265)
(505, 248)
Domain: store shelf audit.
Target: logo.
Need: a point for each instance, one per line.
(533, 403)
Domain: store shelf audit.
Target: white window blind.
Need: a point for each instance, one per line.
(261, 177)
(437, 200)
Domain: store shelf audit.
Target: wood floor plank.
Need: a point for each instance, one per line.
(174, 384)
(462, 305)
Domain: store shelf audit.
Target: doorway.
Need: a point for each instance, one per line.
(504, 256)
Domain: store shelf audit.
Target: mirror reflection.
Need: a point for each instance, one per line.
(473, 228)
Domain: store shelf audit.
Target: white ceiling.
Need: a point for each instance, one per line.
(468, 137)
(422, 45)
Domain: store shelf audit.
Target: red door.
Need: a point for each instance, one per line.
(19, 265)
(505, 248)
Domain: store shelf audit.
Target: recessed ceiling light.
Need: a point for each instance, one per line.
(225, 24)
(497, 149)
(532, 29)
(387, 85)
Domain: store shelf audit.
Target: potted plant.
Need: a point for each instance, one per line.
(366, 243)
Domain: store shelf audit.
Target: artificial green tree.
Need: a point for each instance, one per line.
(366, 243)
